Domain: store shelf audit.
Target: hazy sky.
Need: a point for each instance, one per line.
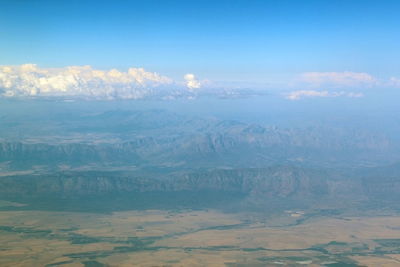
(274, 43)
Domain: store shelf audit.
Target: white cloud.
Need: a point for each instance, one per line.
(296, 95)
(394, 82)
(338, 79)
(30, 80)
(191, 82)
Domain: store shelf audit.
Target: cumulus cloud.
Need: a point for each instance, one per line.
(192, 82)
(30, 80)
(338, 79)
(296, 95)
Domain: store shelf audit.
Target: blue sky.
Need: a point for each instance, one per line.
(246, 41)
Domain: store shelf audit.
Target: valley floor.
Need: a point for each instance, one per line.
(196, 238)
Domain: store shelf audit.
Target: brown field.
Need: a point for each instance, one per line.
(195, 238)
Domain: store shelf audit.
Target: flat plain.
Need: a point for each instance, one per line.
(196, 238)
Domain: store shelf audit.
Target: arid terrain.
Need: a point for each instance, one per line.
(195, 238)
(101, 185)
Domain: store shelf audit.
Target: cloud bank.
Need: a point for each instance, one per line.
(394, 82)
(296, 95)
(29, 80)
(335, 84)
(84, 81)
(338, 79)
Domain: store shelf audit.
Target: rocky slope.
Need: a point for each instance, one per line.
(257, 187)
